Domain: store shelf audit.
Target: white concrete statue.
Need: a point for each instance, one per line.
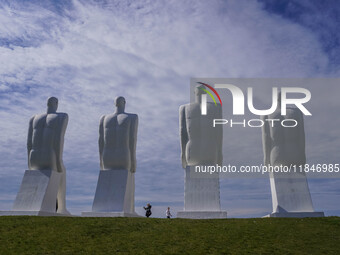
(117, 139)
(45, 144)
(115, 193)
(201, 145)
(286, 146)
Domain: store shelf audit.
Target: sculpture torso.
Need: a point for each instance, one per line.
(204, 142)
(118, 130)
(46, 137)
(287, 143)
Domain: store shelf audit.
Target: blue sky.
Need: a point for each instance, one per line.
(88, 52)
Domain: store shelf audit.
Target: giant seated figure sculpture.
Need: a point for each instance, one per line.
(286, 146)
(201, 145)
(43, 189)
(117, 153)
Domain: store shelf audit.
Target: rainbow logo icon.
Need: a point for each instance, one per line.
(209, 93)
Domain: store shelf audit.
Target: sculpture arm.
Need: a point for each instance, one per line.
(29, 141)
(266, 141)
(302, 142)
(59, 141)
(183, 134)
(101, 141)
(133, 142)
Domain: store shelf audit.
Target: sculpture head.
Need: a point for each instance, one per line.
(198, 92)
(120, 103)
(52, 104)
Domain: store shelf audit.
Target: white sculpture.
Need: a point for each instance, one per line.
(43, 188)
(118, 138)
(201, 144)
(45, 143)
(117, 152)
(286, 146)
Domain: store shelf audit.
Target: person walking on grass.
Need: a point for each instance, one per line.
(168, 213)
(148, 210)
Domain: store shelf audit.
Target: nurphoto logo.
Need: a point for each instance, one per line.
(280, 101)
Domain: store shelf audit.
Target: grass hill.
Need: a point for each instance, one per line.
(63, 235)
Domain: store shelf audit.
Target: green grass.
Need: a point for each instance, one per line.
(63, 235)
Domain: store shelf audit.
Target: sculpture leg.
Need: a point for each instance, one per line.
(201, 193)
(130, 203)
(61, 197)
(290, 193)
